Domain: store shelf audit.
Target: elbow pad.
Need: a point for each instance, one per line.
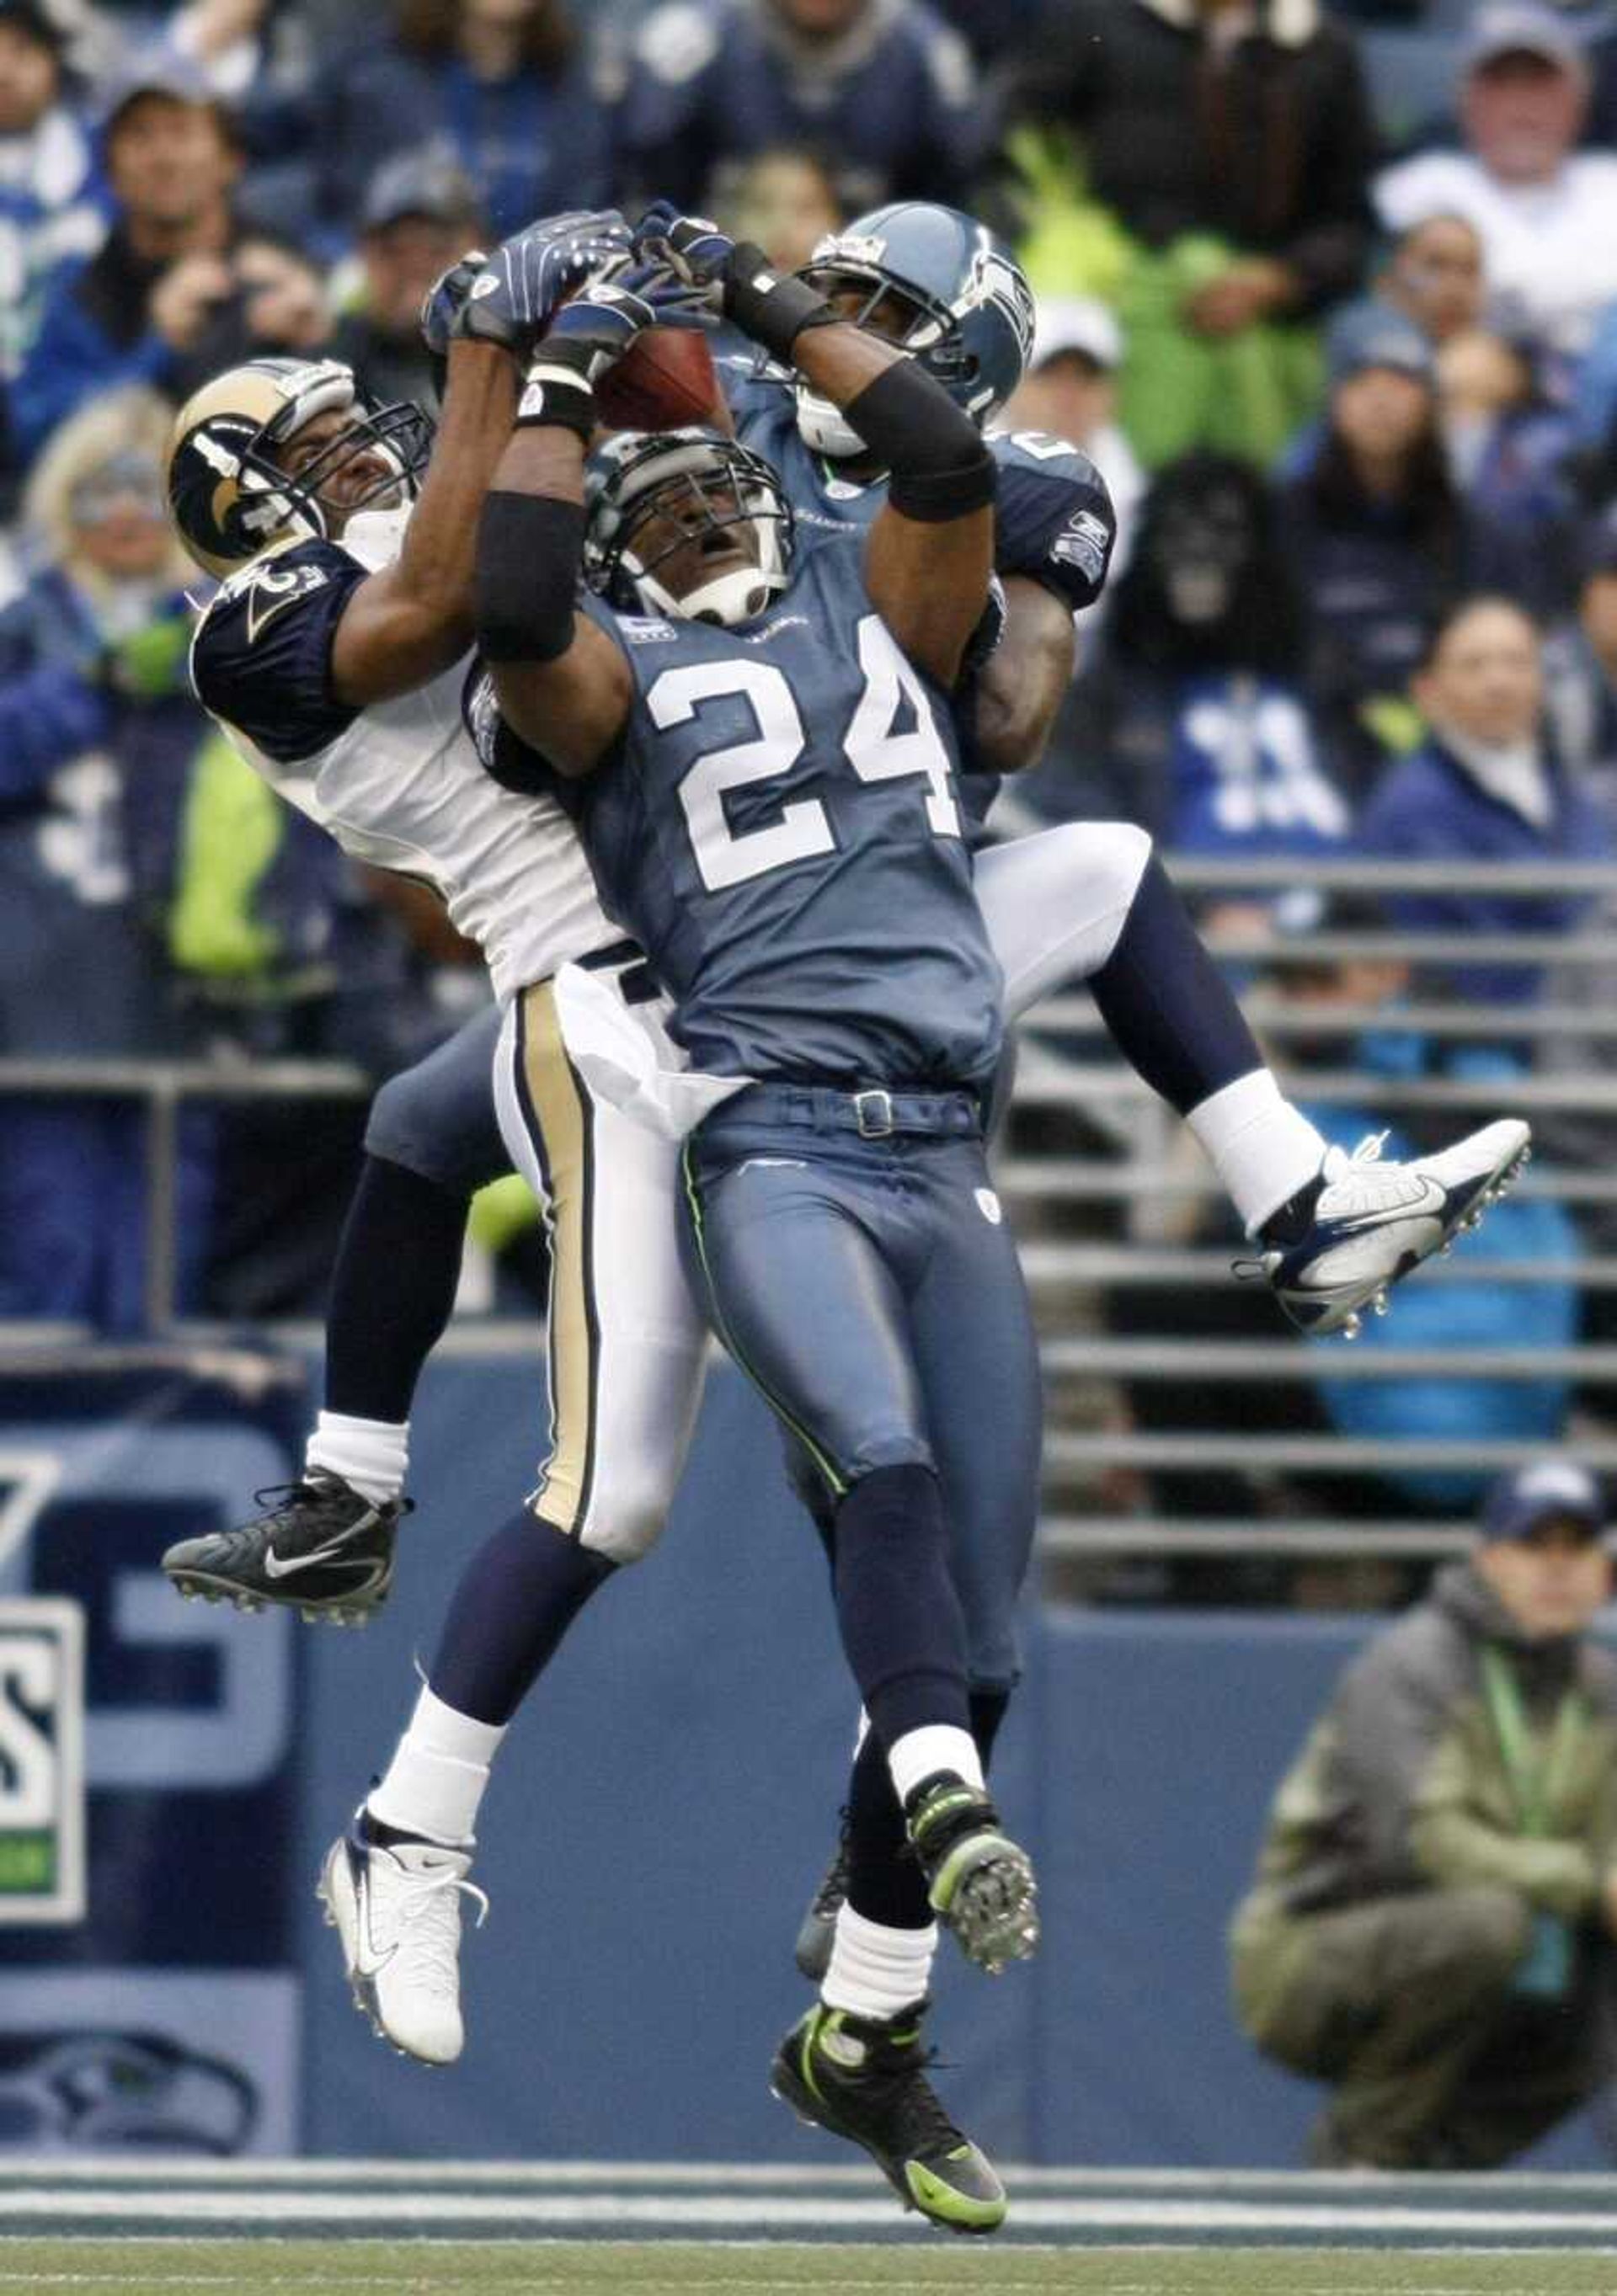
(528, 550)
(940, 463)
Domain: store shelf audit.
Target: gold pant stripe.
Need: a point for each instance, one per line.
(558, 1110)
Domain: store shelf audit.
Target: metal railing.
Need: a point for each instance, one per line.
(1131, 1171)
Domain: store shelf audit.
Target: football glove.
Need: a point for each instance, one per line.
(736, 278)
(620, 298)
(515, 297)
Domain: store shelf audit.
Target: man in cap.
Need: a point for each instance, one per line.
(1541, 206)
(420, 216)
(1430, 1927)
(145, 300)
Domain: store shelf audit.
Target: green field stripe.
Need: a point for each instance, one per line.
(932, 2267)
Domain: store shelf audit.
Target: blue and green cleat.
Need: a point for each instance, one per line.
(979, 1882)
(865, 2079)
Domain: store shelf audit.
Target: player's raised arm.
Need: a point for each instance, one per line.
(563, 686)
(930, 550)
(415, 617)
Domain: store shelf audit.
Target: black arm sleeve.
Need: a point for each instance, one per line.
(528, 548)
(940, 463)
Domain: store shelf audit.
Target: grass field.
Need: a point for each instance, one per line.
(286, 2268)
(667, 2228)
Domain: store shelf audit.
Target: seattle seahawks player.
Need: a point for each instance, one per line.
(764, 752)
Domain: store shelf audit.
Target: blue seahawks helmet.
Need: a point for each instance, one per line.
(945, 288)
(715, 514)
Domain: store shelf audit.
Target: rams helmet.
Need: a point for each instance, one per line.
(229, 496)
(943, 287)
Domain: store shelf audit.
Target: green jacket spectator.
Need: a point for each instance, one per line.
(1430, 1927)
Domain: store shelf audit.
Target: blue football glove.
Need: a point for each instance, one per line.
(442, 304)
(619, 300)
(690, 245)
(514, 296)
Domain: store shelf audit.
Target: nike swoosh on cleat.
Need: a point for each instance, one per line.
(1431, 1204)
(275, 1568)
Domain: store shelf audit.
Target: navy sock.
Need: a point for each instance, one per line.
(896, 1602)
(884, 1882)
(516, 1599)
(393, 1290)
(1171, 1011)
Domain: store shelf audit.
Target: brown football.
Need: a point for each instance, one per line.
(663, 380)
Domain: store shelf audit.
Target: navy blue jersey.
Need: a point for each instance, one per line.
(261, 658)
(1052, 516)
(780, 831)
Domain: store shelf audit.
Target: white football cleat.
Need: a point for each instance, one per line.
(1373, 1223)
(395, 1907)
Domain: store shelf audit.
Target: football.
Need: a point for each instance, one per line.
(664, 380)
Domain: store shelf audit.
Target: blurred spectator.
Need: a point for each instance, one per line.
(882, 84)
(420, 216)
(51, 205)
(276, 307)
(1193, 721)
(1069, 390)
(126, 315)
(1542, 207)
(1431, 1929)
(1580, 663)
(505, 83)
(1382, 536)
(1485, 785)
(1508, 453)
(1201, 166)
(95, 716)
(785, 201)
(1434, 276)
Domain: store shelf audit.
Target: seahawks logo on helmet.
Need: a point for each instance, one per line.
(227, 493)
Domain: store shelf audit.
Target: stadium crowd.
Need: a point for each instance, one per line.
(1328, 294)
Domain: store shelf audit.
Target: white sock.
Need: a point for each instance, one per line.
(875, 1970)
(938, 1746)
(435, 1781)
(1263, 1148)
(371, 1454)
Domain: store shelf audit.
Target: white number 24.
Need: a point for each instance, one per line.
(875, 751)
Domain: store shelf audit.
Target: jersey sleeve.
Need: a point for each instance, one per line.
(1052, 516)
(261, 660)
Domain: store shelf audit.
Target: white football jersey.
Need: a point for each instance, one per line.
(399, 784)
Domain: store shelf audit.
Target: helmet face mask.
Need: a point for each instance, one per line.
(939, 285)
(230, 490)
(686, 523)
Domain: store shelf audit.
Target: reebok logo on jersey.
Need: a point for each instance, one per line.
(988, 1205)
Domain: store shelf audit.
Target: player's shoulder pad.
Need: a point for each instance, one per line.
(261, 657)
(1053, 518)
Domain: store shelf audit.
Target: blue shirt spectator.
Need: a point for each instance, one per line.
(131, 311)
(53, 204)
(512, 99)
(885, 88)
(1485, 785)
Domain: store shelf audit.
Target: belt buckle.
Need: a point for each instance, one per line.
(878, 1126)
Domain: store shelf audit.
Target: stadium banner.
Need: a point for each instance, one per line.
(150, 1999)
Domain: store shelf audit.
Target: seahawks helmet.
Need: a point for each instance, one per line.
(637, 475)
(227, 493)
(945, 288)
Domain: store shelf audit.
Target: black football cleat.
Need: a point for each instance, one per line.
(322, 1549)
(817, 1932)
(865, 2079)
(979, 1882)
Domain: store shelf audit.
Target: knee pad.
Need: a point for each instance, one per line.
(1116, 856)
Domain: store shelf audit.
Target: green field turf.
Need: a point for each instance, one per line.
(413, 2267)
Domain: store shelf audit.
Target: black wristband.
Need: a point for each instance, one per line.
(940, 466)
(557, 391)
(933, 496)
(769, 305)
(528, 550)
